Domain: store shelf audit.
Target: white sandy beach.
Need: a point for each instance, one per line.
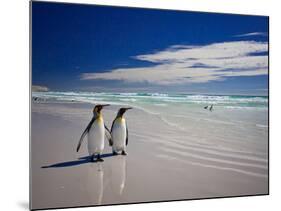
(202, 155)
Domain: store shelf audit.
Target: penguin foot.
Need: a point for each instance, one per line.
(100, 160)
(124, 153)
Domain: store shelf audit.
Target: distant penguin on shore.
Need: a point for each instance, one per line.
(96, 131)
(206, 107)
(211, 108)
(119, 133)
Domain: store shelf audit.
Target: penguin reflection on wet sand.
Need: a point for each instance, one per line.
(96, 131)
(119, 133)
(94, 180)
(117, 174)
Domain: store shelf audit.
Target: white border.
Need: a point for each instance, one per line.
(14, 45)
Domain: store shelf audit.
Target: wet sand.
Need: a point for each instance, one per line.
(163, 161)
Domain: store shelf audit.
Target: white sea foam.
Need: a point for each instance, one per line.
(213, 159)
(128, 100)
(169, 157)
(229, 102)
(229, 155)
(262, 126)
(171, 123)
(160, 104)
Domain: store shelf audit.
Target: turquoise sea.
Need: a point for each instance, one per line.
(159, 99)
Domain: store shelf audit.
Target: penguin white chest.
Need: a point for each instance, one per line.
(119, 134)
(96, 137)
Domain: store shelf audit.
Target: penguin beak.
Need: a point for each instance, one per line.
(128, 108)
(104, 105)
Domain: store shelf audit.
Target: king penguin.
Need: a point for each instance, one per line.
(96, 131)
(119, 133)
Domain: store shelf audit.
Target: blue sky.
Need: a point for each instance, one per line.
(95, 48)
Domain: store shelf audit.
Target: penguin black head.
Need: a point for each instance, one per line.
(99, 107)
(122, 111)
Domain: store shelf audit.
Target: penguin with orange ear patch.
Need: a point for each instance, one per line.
(96, 131)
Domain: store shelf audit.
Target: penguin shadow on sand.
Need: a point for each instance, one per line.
(80, 161)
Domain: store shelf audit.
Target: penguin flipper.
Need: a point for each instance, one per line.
(111, 141)
(81, 139)
(84, 134)
(127, 138)
(112, 126)
(108, 135)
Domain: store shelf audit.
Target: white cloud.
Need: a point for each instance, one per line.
(251, 34)
(194, 64)
(36, 88)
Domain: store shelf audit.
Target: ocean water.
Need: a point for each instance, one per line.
(159, 99)
(178, 110)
